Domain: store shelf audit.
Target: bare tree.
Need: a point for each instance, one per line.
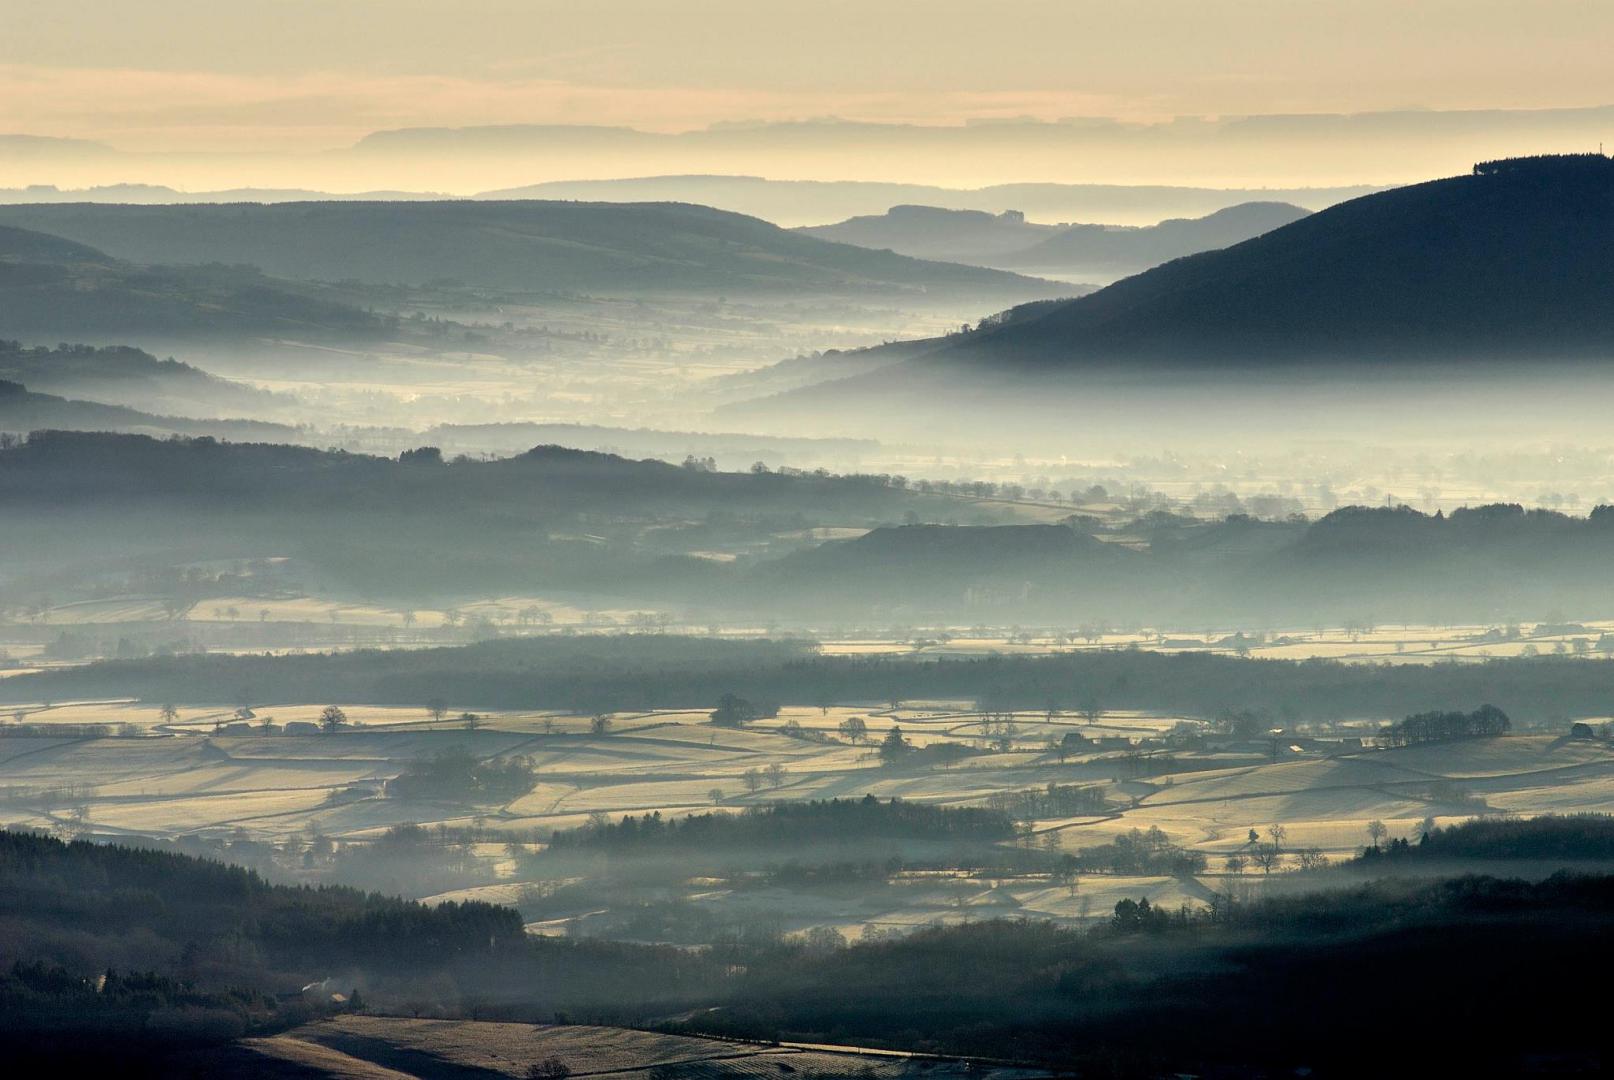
(854, 729)
(753, 780)
(332, 718)
(1377, 831)
(1311, 859)
(600, 725)
(1268, 857)
(550, 1068)
(168, 714)
(437, 708)
(776, 774)
(470, 721)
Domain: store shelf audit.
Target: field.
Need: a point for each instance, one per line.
(204, 774)
(377, 1048)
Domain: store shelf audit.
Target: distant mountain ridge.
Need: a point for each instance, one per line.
(1131, 250)
(935, 232)
(811, 203)
(1009, 241)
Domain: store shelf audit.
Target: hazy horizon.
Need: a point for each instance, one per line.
(205, 96)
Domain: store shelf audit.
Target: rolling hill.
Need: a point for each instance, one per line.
(22, 410)
(531, 246)
(126, 376)
(51, 287)
(1354, 559)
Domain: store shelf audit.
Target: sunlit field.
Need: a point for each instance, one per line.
(274, 777)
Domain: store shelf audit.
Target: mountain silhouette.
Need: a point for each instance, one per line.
(1510, 263)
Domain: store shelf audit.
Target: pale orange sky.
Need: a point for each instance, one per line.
(299, 75)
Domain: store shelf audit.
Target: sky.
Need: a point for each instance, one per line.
(302, 76)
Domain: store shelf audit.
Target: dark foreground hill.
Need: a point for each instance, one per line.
(1512, 262)
(1509, 264)
(532, 246)
(118, 959)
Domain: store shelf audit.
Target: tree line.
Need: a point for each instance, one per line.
(606, 674)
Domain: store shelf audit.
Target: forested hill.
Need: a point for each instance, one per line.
(545, 481)
(121, 955)
(545, 246)
(411, 526)
(1509, 263)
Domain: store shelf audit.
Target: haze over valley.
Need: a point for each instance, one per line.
(823, 541)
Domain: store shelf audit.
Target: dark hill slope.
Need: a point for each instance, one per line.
(1515, 262)
(546, 246)
(1510, 263)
